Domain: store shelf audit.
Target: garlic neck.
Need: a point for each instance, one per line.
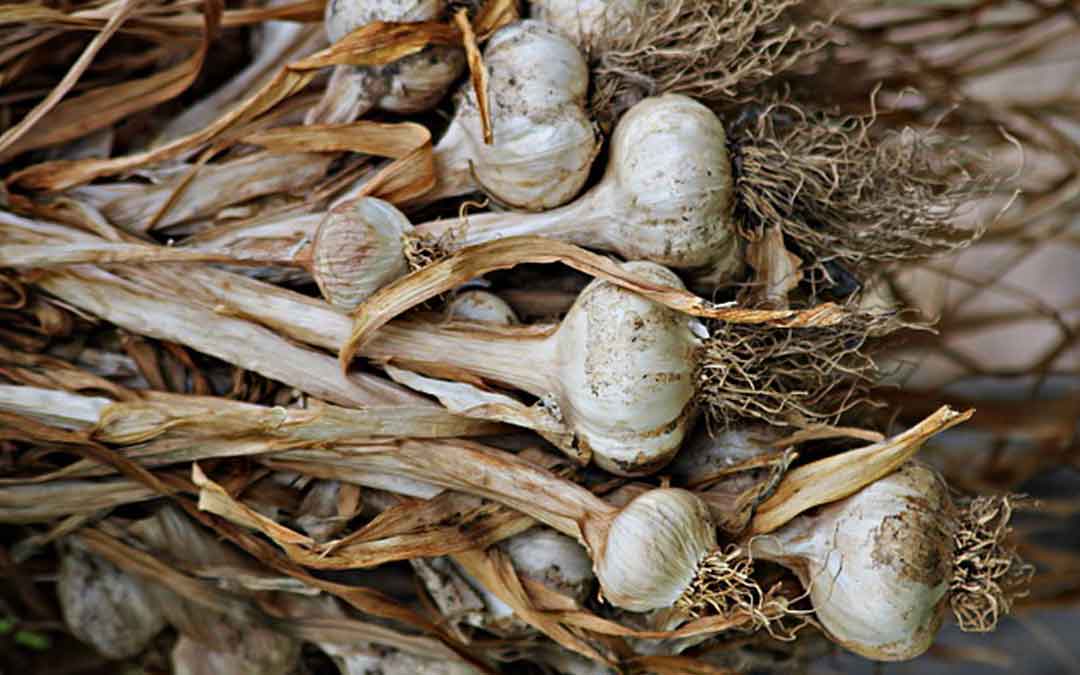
(453, 172)
(525, 362)
(582, 222)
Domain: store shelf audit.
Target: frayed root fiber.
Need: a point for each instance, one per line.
(713, 50)
(842, 194)
(987, 575)
(788, 376)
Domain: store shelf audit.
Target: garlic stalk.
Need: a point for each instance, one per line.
(409, 85)
(882, 565)
(543, 140)
(666, 196)
(619, 371)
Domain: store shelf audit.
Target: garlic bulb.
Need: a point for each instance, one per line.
(482, 306)
(654, 550)
(666, 196)
(585, 21)
(260, 652)
(105, 607)
(410, 84)
(553, 559)
(358, 250)
(543, 140)
(877, 564)
(620, 370)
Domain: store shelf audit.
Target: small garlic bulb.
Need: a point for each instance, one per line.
(409, 85)
(482, 306)
(877, 564)
(358, 250)
(666, 195)
(105, 607)
(654, 550)
(553, 559)
(543, 139)
(586, 21)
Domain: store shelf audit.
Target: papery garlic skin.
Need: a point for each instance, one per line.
(653, 549)
(587, 21)
(543, 139)
(877, 564)
(482, 306)
(411, 84)
(666, 196)
(358, 250)
(627, 366)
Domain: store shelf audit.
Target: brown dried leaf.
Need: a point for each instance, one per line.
(380, 42)
(477, 73)
(474, 261)
(777, 271)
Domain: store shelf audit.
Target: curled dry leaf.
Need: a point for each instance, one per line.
(475, 261)
(839, 476)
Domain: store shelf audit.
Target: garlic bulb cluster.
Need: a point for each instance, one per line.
(543, 140)
(877, 564)
(619, 371)
(358, 250)
(654, 550)
(410, 84)
(586, 21)
(666, 195)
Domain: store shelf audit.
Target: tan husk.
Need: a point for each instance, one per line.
(716, 51)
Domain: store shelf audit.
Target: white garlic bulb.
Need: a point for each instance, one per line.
(543, 140)
(586, 21)
(553, 559)
(620, 369)
(666, 196)
(104, 607)
(877, 564)
(358, 250)
(654, 550)
(482, 306)
(411, 84)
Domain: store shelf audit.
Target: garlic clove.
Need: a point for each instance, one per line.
(877, 564)
(358, 250)
(653, 550)
(482, 306)
(627, 367)
(105, 607)
(342, 17)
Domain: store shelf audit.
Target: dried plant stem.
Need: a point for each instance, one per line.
(150, 309)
